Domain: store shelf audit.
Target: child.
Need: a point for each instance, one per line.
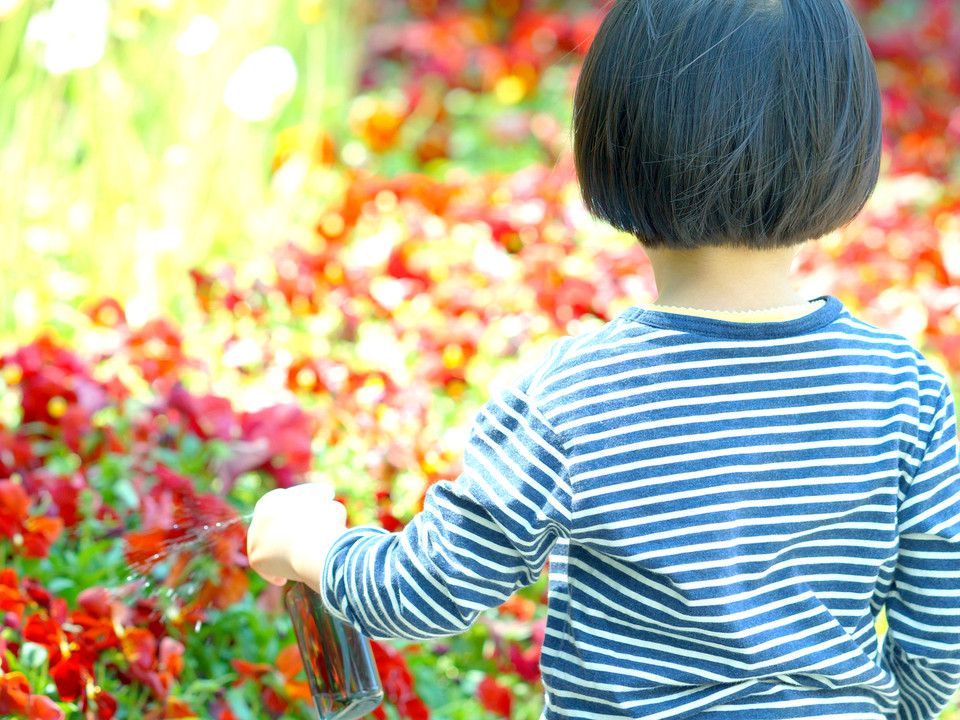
(729, 484)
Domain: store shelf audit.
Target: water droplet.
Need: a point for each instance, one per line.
(197, 625)
(219, 524)
(206, 527)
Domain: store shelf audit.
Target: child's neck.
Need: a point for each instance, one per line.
(732, 279)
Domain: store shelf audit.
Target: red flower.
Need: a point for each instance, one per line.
(177, 708)
(13, 507)
(520, 607)
(56, 386)
(43, 708)
(412, 708)
(249, 670)
(281, 675)
(495, 697)
(96, 635)
(140, 648)
(526, 661)
(227, 590)
(209, 416)
(65, 492)
(37, 593)
(16, 453)
(157, 350)
(103, 704)
(289, 432)
(42, 629)
(39, 533)
(31, 535)
(146, 548)
(107, 312)
(397, 682)
(171, 656)
(70, 677)
(99, 602)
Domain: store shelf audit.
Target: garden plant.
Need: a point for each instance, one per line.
(207, 293)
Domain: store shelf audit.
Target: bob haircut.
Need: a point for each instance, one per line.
(738, 123)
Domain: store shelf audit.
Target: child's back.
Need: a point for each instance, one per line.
(730, 505)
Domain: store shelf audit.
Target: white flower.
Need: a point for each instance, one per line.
(199, 37)
(9, 7)
(74, 33)
(262, 85)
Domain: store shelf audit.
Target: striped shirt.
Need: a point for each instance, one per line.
(725, 506)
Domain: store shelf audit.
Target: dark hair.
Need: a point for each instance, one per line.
(749, 123)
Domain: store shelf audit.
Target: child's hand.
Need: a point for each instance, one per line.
(292, 531)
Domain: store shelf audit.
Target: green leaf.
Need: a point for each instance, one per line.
(57, 585)
(238, 704)
(33, 656)
(124, 491)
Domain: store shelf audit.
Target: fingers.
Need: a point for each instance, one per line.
(313, 490)
(289, 527)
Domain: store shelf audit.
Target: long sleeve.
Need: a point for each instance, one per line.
(922, 645)
(477, 540)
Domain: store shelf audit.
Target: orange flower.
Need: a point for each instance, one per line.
(157, 350)
(32, 536)
(377, 122)
(177, 708)
(139, 647)
(520, 607)
(39, 533)
(171, 656)
(288, 666)
(107, 312)
(13, 507)
(14, 693)
(316, 143)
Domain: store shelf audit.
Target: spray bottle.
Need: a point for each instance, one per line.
(338, 660)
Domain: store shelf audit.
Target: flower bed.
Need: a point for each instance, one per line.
(360, 350)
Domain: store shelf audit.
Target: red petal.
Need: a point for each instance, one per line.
(139, 647)
(68, 676)
(97, 602)
(177, 708)
(39, 533)
(289, 661)
(43, 708)
(106, 705)
(494, 697)
(171, 656)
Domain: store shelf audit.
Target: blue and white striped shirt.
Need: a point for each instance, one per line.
(725, 506)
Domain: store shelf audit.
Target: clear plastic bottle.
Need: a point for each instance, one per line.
(338, 660)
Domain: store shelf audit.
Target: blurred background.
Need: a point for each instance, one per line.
(248, 244)
(141, 138)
